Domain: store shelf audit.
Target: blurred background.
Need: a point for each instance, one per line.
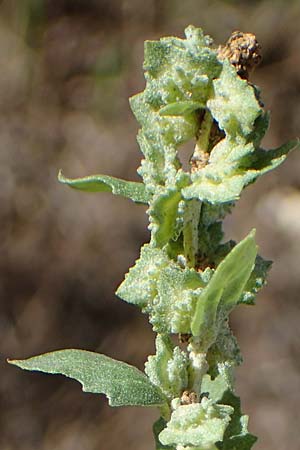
(67, 70)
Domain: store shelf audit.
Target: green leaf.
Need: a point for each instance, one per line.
(224, 352)
(236, 436)
(158, 426)
(234, 105)
(232, 166)
(121, 383)
(222, 180)
(256, 281)
(140, 284)
(178, 291)
(260, 128)
(168, 369)
(165, 290)
(224, 290)
(198, 424)
(179, 74)
(263, 161)
(104, 183)
(163, 214)
(180, 108)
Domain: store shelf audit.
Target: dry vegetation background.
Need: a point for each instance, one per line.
(67, 70)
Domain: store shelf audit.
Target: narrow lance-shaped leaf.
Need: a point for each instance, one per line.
(224, 289)
(180, 108)
(104, 183)
(121, 383)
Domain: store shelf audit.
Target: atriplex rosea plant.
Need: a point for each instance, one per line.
(187, 279)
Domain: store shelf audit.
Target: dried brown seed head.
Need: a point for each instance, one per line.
(243, 51)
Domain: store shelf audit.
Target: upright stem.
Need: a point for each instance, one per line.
(190, 231)
(201, 154)
(198, 366)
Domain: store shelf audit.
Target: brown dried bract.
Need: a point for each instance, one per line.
(203, 263)
(188, 397)
(243, 52)
(184, 338)
(200, 161)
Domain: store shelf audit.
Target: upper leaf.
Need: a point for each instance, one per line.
(165, 290)
(168, 369)
(140, 284)
(178, 291)
(199, 424)
(231, 167)
(103, 183)
(256, 281)
(234, 105)
(179, 74)
(121, 383)
(236, 435)
(163, 214)
(224, 290)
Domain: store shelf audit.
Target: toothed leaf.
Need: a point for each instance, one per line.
(178, 291)
(140, 284)
(236, 436)
(256, 281)
(234, 104)
(168, 368)
(121, 383)
(199, 424)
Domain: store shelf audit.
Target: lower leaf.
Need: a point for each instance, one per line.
(123, 384)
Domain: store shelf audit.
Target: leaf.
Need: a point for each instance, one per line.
(140, 284)
(260, 128)
(104, 183)
(180, 108)
(236, 435)
(232, 166)
(256, 281)
(179, 74)
(198, 424)
(263, 161)
(158, 426)
(234, 105)
(168, 368)
(224, 290)
(121, 383)
(224, 352)
(163, 214)
(178, 291)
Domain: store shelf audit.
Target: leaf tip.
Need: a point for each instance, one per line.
(14, 362)
(61, 178)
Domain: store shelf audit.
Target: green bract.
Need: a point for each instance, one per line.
(199, 425)
(187, 279)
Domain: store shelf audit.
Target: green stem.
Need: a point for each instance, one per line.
(190, 231)
(198, 366)
(202, 143)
